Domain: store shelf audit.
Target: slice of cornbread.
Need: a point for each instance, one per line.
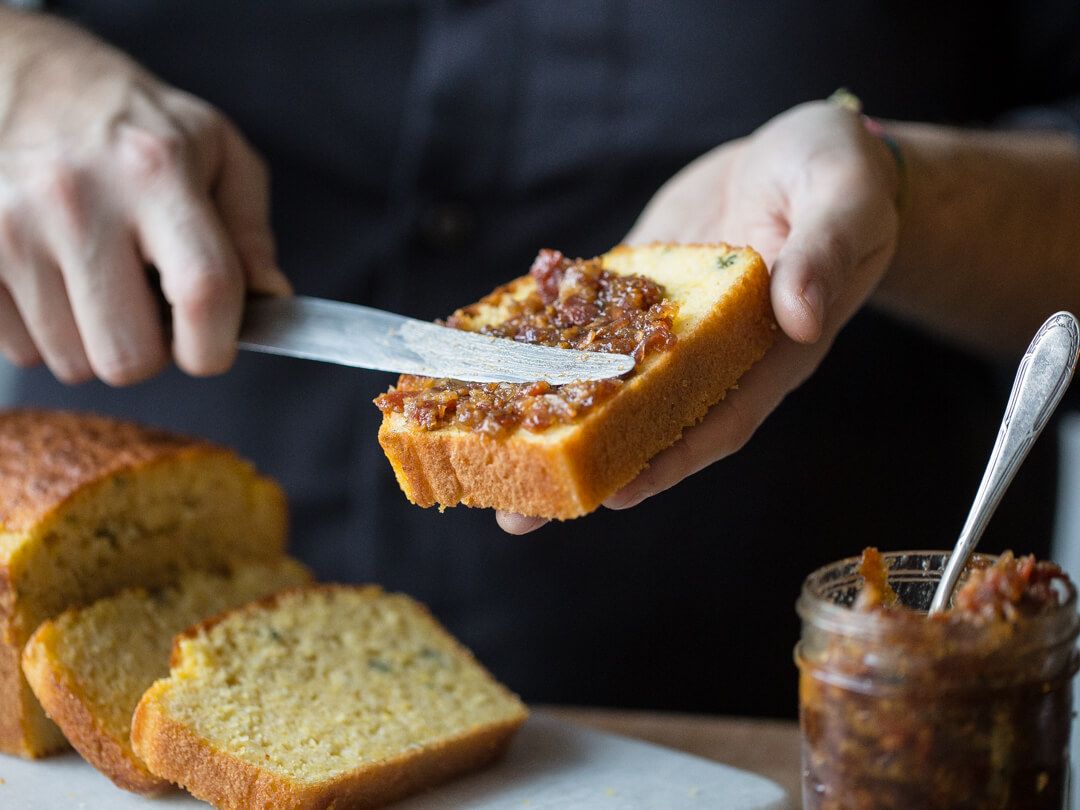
(722, 325)
(327, 696)
(89, 666)
(89, 506)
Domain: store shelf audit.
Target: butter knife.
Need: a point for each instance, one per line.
(354, 335)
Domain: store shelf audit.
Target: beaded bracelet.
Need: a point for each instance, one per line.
(847, 100)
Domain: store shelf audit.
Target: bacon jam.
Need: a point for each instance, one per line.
(969, 708)
(576, 304)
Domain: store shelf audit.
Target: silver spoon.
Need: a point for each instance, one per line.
(1041, 380)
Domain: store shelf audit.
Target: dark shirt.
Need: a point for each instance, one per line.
(423, 151)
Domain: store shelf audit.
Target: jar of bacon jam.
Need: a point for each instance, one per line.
(970, 708)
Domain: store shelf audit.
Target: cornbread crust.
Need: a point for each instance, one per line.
(68, 706)
(229, 783)
(568, 472)
(48, 456)
(173, 751)
(51, 461)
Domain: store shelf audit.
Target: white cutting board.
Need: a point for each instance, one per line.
(551, 764)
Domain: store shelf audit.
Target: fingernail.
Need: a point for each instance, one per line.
(624, 499)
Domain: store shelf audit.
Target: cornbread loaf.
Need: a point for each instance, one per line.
(326, 696)
(88, 506)
(89, 666)
(558, 453)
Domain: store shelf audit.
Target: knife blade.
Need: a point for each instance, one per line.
(362, 337)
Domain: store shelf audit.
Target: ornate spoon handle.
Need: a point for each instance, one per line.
(1041, 380)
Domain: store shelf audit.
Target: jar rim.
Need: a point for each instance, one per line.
(815, 606)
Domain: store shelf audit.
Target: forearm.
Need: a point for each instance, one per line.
(990, 235)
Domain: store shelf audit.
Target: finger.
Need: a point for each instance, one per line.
(513, 523)
(180, 233)
(42, 302)
(242, 195)
(729, 425)
(117, 316)
(15, 341)
(828, 241)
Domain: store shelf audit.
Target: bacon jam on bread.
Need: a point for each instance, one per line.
(694, 317)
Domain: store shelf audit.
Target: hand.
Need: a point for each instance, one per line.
(815, 194)
(105, 170)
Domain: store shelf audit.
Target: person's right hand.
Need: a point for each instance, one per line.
(105, 171)
(817, 196)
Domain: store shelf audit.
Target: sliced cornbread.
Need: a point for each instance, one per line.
(565, 451)
(89, 666)
(327, 696)
(89, 506)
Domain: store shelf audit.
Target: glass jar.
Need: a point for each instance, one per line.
(898, 711)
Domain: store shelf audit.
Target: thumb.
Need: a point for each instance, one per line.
(242, 195)
(818, 262)
(512, 523)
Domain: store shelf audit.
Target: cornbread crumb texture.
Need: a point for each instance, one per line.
(119, 506)
(327, 679)
(321, 695)
(90, 666)
(25, 731)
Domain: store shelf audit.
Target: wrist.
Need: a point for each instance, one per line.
(887, 149)
(894, 163)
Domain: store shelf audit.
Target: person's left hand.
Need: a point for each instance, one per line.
(816, 195)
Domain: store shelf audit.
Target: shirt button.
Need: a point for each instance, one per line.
(447, 227)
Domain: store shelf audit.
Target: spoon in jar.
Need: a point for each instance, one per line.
(1044, 374)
